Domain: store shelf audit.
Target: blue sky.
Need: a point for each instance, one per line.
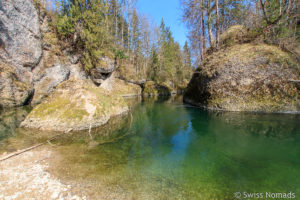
(170, 11)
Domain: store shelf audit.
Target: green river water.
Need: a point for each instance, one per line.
(167, 150)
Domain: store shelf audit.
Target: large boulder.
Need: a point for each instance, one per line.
(246, 77)
(20, 37)
(75, 105)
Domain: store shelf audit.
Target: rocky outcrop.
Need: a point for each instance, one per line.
(76, 71)
(32, 60)
(245, 76)
(75, 105)
(20, 50)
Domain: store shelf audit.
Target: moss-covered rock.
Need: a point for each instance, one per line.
(153, 89)
(246, 77)
(75, 105)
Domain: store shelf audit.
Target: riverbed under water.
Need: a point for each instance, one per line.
(164, 149)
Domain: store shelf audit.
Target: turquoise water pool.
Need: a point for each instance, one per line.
(168, 150)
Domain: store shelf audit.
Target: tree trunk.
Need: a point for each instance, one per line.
(106, 16)
(203, 30)
(217, 24)
(122, 25)
(201, 33)
(210, 34)
(222, 16)
(128, 40)
(209, 24)
(116, 23)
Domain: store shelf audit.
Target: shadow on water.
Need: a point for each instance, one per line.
(13, 138)
(166, 150)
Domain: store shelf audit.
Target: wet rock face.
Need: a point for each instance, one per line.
(20, 34)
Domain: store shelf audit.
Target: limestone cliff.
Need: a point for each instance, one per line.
(20, 50)
(30, 65)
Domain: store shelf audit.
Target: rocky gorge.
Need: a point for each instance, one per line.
(88, 112)
(244, 74)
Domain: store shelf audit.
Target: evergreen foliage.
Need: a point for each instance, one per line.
(115, 29)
